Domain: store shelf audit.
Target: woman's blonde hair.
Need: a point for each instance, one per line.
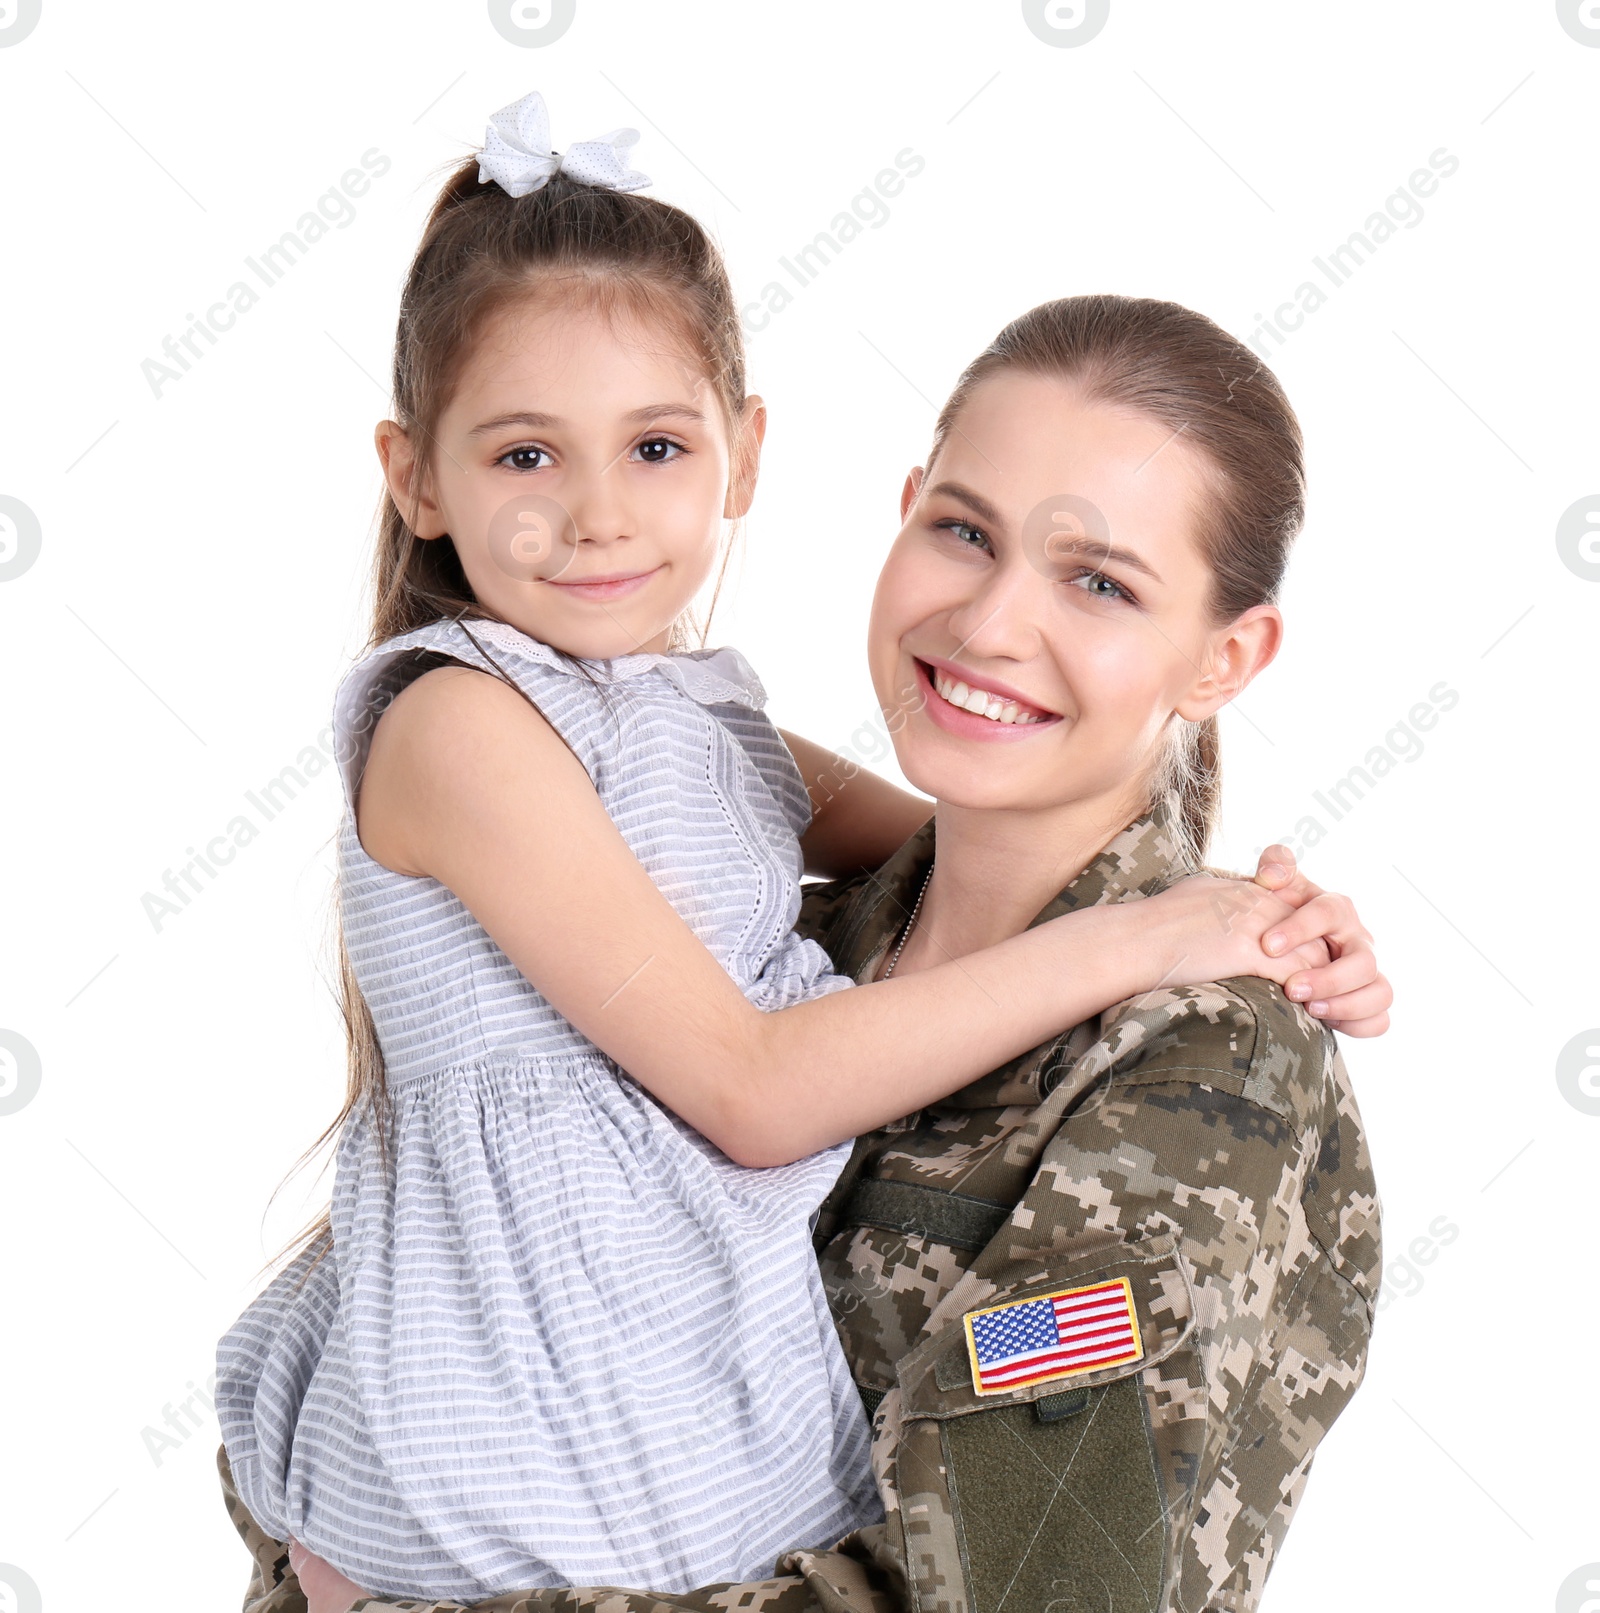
(1180, 369)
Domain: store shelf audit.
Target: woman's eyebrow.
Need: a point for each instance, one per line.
(1086, 545)
(1093, 548)
(975, 502)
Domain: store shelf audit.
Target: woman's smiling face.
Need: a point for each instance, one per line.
(1048, 574)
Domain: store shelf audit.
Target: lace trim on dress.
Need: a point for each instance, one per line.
(711, 677)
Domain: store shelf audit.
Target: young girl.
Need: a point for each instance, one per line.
(566, 1325)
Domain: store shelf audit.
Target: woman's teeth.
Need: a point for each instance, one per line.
(981, 702)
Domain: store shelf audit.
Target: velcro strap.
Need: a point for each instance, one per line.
(929, 1212)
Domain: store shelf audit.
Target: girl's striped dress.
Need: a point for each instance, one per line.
(560, 1339)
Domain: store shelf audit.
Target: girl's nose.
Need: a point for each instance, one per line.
(599, 506)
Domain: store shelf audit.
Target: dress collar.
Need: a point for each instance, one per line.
(711, 677)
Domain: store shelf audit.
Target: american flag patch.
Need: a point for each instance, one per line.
(1054, 1336)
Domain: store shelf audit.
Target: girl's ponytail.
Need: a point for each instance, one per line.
(482, 251)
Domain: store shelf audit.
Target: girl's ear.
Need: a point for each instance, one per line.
(404, 476)
(908, 493)
(745, 458)
(1238, 652)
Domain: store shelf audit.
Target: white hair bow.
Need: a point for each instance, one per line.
(517, 156)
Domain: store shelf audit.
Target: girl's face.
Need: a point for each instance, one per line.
(583, 470)
(1047, 574)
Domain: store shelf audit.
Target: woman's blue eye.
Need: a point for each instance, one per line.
(966, 533)
(512, 453)
(1117, 590)
(658, 450)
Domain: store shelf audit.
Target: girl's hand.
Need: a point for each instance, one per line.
(1347, 993)
(1211, 926)
(326, 1589)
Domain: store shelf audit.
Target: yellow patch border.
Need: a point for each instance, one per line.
(1061, 1372)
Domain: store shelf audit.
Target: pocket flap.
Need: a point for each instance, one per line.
(1065, 1324)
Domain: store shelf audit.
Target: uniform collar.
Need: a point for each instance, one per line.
(1143, 858)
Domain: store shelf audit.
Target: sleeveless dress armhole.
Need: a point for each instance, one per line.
(367, 691)
(565, 700)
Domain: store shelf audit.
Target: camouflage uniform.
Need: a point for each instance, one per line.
(1201, 1142)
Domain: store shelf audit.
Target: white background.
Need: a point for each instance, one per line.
(200, 579)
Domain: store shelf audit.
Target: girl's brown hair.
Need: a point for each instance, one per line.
(483, 252)
(1178, 368)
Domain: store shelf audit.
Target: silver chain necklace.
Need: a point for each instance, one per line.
(905, 934)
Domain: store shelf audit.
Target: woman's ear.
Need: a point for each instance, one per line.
(908, 493)
(405, 478)
(1239, 651)
(745, 458)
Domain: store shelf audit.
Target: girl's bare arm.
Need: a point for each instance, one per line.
(858, 820)
(467, 784)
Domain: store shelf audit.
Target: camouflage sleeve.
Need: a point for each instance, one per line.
(1178, 1156)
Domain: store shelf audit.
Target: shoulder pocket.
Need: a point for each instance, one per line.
(1026, 1468)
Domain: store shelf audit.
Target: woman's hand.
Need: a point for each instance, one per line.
(326, 1589)
(1347, 993)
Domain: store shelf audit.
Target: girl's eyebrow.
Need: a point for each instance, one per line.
(501, 421)
(985, 511)
(651, 411)
(660, 411)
